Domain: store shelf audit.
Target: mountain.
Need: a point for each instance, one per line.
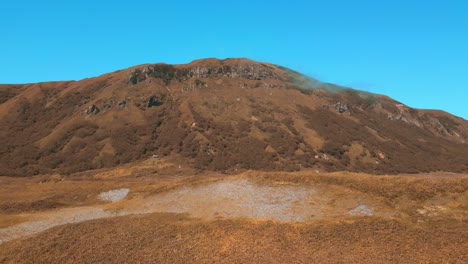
(223, 115)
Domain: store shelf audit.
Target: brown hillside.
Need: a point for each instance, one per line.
(221, 115)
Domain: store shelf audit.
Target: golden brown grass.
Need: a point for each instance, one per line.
(169, 238)
(7, 220)
(429, 225)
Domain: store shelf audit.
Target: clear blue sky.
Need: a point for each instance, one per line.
(413, 51)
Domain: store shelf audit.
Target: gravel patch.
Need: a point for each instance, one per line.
(226, 199)
(361, 210)
(241, 198)
(114, 195)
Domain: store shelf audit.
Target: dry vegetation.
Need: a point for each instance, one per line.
(168, 238)
(221, 120)
(162, 131)
(408, 236)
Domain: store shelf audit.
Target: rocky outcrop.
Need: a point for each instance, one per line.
(341, 107)
(92, 110)
(153, 101)
(133, 78)
(168, 73)
(244, 71)
(122, 103)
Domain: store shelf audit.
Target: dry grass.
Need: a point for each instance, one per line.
(169, 238)
(7, 220)
(428, 224)
(47, 192)
(40, 193)
(413, 186)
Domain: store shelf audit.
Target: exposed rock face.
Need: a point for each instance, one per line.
(122, 103)
(153, 101)
(341, 107)
(168, 73)
(250, 72)
(133, 77)
(92, 110)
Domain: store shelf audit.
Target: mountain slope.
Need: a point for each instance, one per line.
(220, 115)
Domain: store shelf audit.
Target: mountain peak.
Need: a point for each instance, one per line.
(227, 61)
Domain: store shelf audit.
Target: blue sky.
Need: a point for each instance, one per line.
(414, 51)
